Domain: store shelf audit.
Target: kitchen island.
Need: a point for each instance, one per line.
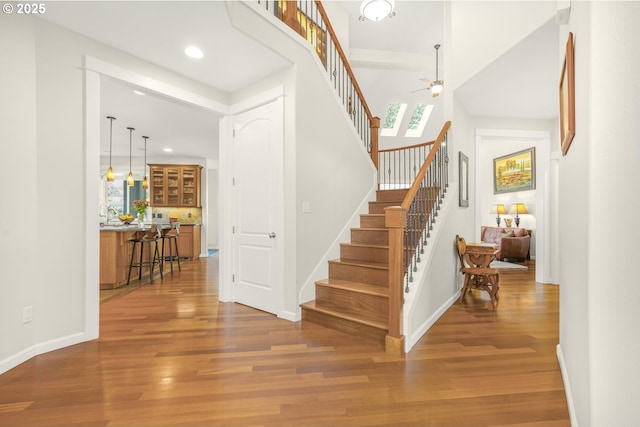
(115, 255)
(115, 251)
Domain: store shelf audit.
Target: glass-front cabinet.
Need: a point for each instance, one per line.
(175, 185)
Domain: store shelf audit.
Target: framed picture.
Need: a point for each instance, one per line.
(463, 180)
(515, 172)
(567, 100)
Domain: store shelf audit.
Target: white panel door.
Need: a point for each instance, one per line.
(258, 207)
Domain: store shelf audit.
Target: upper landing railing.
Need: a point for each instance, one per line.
(309, 19)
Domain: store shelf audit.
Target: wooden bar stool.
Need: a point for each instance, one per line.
(153, 258)
(171, 235)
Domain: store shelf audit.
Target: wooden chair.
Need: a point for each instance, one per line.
(477, 273)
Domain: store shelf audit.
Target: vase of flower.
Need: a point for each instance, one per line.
(141, 207)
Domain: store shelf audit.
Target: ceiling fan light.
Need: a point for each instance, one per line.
(376, 10)
(437, 87)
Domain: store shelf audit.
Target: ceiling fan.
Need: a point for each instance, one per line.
(435, 86)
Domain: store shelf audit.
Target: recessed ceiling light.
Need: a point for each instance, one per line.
(194, 52)
(168, 150)
(137, 92)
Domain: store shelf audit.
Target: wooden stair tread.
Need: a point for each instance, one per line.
(311, 305)
(366, 245)
(360, 263)
(359, 287)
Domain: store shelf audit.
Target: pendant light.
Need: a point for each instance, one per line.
(145, 181)
(110, 175)
(130, 180)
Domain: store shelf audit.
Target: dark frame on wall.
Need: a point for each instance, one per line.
(567, 99)
(463, 180)
(515, 172)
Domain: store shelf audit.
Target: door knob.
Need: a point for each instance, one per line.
(272, 235)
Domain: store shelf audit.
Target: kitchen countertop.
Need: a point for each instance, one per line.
(135, 227)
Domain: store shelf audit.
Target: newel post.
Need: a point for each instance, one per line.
(375, 132)
(395, 221)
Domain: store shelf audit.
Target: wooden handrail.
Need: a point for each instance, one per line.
(396, 223)
(374, 122)
(347, 67)
(407, 147)
(289, 15)
(423, 170)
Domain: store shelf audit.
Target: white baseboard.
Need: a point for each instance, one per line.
(567, 387)
(290, 316)
(36, 349)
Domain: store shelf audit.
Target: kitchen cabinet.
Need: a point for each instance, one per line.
(189, 241)
(175, 185)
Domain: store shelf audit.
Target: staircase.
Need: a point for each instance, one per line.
(355, 297)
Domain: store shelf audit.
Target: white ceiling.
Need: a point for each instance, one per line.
(522, 83)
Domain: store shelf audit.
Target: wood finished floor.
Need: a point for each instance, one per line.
(171, 355)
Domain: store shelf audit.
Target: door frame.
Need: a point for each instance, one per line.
(94, 70)
(225, 279)
(544, 219)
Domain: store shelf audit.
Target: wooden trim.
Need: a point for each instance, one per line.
(567, 99)
(395, 221)
(394, 346)
(375, 127)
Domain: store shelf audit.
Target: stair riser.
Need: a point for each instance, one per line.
(371, 221)
(372, 307)
(343, 325)
(378, 207)
(364, 253)
(370, 236)
(356, 273)
(391, 195)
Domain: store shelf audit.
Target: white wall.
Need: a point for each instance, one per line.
(19, 282)
(484, 30)
(599, 176)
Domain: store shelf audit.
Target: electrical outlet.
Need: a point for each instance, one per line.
(27, 314)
